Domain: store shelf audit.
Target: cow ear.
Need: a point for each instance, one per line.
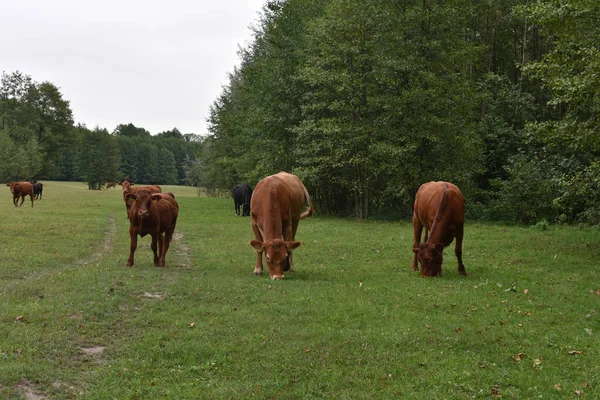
(130, 198)
(292, 245)
(439, 247)
(258, 246)
(156, 197)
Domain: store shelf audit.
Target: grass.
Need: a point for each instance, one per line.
(352, 322)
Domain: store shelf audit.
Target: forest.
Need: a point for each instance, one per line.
(365, 101)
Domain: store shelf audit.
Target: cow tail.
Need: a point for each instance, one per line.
(442, 207)
(310, 211)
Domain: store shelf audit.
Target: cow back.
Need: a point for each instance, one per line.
(439, 201)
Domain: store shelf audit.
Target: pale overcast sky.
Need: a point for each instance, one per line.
(158, 64)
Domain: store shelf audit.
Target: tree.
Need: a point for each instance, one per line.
(98, 159)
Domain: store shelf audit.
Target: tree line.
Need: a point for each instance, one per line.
(366, 100)
(39, 140)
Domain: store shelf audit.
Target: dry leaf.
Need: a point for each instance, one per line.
(557, 387)
(307, 350)
(573, 352)
(20, 318)
(519, 356)
(192, 324)
(458, 330)
(537, 362)
(597, 292)
(578, 392)
(526, 291)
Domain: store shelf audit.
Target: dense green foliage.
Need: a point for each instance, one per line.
(38, 140)
(367, 100)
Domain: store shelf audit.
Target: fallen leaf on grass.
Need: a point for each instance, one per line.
(588, 331)
(557, 387)
(20, 318)
(526, 291)
(193, 324)
(597, 292)
(574, 352)
(458, 330)
(578, 392)
(537, 362)
(519, 356)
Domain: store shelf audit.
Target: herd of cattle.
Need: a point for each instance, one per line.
(276, 207)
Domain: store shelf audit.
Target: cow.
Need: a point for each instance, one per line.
(21, 189)
(154, 214)
(111, 184)
(129, 188)
(440, 208)
(37, 190)
(275, 211)
(241, 198)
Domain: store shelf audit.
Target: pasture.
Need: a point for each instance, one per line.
(352, 322)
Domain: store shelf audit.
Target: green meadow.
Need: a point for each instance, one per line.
(352, 322)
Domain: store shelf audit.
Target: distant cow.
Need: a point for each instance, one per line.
(37, 190)
(111, 184)
(128, 188)
(276, 210)
(21, 189)
(440, 208)
(153, 214)
(241, 198)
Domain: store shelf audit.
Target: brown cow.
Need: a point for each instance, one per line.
(440, 208)
(129, 188)
(21, 189)
(276, 210)
(154, 214)
(111, 184)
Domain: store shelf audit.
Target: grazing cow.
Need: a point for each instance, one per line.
(21, 189)
(111, 184)
(440, 208)
(128, 188)
(276, 210)
(241, 198)
(154, 214)
(37, 190)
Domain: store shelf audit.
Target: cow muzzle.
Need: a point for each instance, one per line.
(277, 277)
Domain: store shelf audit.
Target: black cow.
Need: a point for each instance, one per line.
(37, 190)
(241, 198)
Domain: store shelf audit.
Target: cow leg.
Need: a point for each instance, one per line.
(154, 247)
(31, 196)
(458, 251)
(289, 234)
(237, 208)
(166, 241)
(132, 246)
(22, 201)
(418, 229)
(258, 268)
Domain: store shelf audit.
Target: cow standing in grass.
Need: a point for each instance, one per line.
(440, 209)
(153, 214)
(241, 199)
(21, 189)
(38, 188)
(128, 188)
(276, 210)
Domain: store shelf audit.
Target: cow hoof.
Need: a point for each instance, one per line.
(257, 273)
(463, 273)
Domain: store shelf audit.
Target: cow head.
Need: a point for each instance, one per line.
(430, 258)
(125, 185)
(143, 201)
(14, 187)
(276, 253)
